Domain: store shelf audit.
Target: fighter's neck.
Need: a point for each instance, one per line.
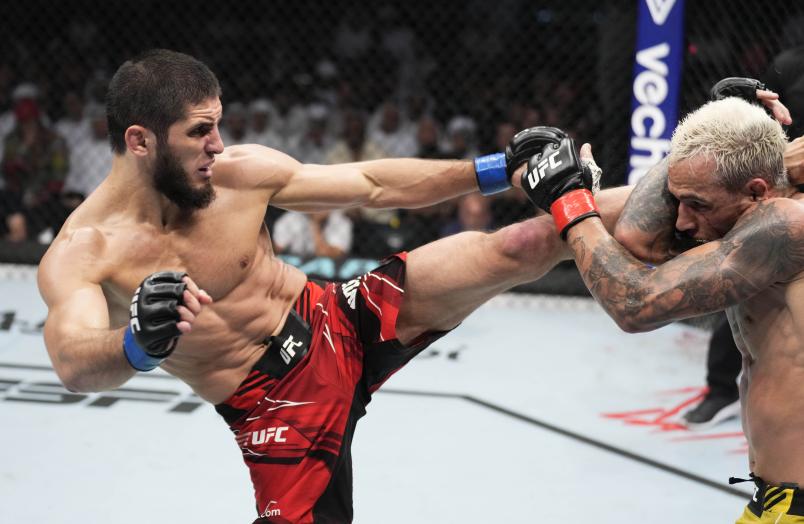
(132, 188)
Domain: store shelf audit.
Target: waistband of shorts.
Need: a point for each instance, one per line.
(768, 497)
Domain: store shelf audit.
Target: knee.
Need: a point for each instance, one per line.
(535, 237)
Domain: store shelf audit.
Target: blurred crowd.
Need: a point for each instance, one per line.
(50, 164)
(351, 83)
(54, 150)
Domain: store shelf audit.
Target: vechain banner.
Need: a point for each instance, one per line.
(657, 80)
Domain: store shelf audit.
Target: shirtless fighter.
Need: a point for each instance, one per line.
(724, 186)
(168, 264)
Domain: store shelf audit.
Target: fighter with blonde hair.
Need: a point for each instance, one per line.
(724, 186)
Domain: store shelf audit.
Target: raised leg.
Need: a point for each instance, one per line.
(448, 279)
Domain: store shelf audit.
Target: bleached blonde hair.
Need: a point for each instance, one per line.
(741, 138)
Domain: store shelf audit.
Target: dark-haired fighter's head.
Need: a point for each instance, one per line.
(171, 102)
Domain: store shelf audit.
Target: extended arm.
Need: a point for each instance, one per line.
(386, 183)
(765, 247)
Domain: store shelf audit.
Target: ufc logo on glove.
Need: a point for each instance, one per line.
(541, 166)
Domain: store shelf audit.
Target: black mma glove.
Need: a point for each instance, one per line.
(745, 88)
(494, 172)
(558, 182)
(152, 333)
(529, 142)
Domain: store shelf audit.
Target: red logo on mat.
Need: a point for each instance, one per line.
(666, 419)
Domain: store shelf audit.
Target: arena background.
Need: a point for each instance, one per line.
(462, 74)
(473, 71)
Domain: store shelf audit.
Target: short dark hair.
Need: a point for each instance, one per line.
(153, 90)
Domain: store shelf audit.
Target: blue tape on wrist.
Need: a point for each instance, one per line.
(491, 174)
(136, 356)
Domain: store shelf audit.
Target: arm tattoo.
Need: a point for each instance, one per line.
(647, 224)
(766, 247)
(650, 208)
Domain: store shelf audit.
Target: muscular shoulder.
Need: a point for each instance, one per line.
(787, 213)
(74, 259)
(771, 237)
(253, 166)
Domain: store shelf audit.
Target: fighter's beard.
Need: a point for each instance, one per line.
(171, 180)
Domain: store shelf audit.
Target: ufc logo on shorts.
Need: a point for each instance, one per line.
(288, 350)
(264, 436)
(540, 167)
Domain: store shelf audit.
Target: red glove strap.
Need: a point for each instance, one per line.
(571, 206)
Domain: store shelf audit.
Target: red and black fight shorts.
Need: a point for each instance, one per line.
(295, 413)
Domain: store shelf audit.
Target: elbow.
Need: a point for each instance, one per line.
(635, 324)
(73, 381)
(638, 247)
(631, 323)
(630, 326)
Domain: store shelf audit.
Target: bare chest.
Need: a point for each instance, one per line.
(216, 258)
(770, 322)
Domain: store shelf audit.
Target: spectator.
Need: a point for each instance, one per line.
(235, 125)
(378, 229)
(260, 130)
(25, 91)
(417, 106)
(474, 214)
(461, 136)
(427, 138)
(354, 147)
(423, 225)
(312, 146)
(34, 165)
(391, 134)
(289, 117)
(73, 127)
(316, 234)
(90, 160)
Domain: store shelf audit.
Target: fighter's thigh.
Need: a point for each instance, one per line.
(448, 279)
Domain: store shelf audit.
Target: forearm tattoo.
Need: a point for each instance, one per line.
(651, 208)
(766, 247)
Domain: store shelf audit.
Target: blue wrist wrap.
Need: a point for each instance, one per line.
(491, 174)
(136, 356)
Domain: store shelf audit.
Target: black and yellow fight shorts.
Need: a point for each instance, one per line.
(782, 504)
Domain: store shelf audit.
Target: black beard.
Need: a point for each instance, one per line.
(171, 180)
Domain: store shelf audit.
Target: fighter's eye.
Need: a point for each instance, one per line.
(697, 206)
(200, 130)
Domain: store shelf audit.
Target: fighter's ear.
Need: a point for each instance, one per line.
(757, 189)
(139, 140)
